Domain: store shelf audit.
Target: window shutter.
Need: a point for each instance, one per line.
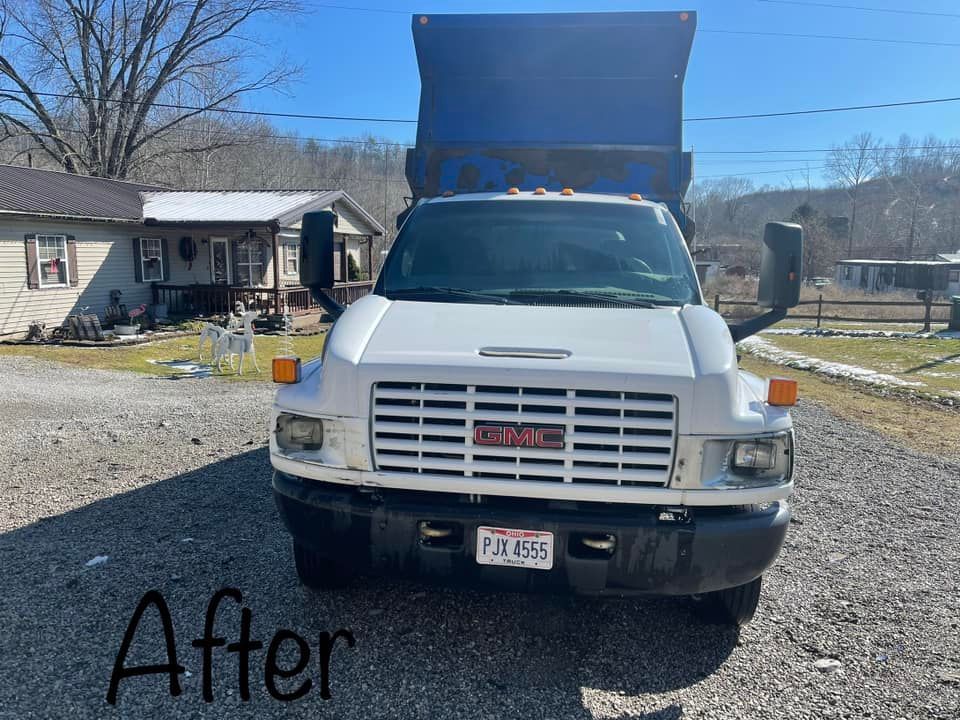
(33, 268)
(137, 266)
(165, 254)
(74, 278)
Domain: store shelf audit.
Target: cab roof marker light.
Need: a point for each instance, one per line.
(567, 191)
(636, 196)
(513, 191)
(448, 193)
(540, 191)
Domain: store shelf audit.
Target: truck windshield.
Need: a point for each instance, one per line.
(529, 252)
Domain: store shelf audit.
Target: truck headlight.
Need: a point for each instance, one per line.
(755, 455)
(296, 432)
(760, 461)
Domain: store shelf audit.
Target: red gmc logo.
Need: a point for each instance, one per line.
(518, 436)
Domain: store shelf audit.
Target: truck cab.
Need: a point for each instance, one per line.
(535, 397)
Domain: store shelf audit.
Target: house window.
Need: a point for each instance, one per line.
(249, 263)
(954, 276)
(52, 260)
(151, 259)
(291, 259)
(847, 272)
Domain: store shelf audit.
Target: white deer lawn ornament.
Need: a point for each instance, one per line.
(213, 333)
(241, 345)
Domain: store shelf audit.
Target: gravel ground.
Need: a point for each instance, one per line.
(170, 480)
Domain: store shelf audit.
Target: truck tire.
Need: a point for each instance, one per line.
(733, 606)
(317, 571)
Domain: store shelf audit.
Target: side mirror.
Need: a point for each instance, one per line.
(781, 266)
(316, 249)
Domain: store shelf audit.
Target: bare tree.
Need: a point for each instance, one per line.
(93, 83)
(851, 165)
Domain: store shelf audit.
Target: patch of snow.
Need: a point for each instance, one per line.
(185, 368)
(98, 560)
(766, 350)
(833, 332)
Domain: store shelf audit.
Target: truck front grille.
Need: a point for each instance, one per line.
(612, 438)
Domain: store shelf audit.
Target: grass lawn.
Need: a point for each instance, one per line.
(137, 357)
(917, 424)
(934, 363)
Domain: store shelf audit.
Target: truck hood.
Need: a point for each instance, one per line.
(479, 337)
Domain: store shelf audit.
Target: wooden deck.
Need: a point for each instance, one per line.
(207, 300)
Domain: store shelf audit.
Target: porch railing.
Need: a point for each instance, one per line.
(208, 300)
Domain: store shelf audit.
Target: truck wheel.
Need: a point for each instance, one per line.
(316, 571)
(733, 606)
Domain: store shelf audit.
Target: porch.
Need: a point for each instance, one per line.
(206, 300)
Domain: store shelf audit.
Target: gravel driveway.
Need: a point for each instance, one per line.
(170, 480)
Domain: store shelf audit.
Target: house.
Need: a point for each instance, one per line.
(875, 275)
(68, 241)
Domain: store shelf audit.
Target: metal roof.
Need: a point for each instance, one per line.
(31, 191)
(285, 207)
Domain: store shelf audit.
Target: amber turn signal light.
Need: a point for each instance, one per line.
(286, 370)
(781, 391)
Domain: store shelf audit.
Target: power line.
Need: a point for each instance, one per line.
(761, 172)
(756, 33)
(225, 111)
(306, 116)
(810, 36)
(862, 8)
(380, 143)
(816, 111)
(826, 150)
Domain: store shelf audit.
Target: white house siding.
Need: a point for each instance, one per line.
(350, 222)
(104, 263)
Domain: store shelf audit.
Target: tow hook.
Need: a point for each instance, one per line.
(599, 542)
(427, 531)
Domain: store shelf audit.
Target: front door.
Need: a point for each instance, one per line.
(220, 266)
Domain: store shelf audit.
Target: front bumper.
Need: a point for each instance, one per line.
(378, 530)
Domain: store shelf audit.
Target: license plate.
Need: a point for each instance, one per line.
(515, 548)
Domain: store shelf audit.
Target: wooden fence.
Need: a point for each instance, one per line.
(929, 314)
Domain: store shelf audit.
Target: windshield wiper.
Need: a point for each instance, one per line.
(450, 291)
(596, 296)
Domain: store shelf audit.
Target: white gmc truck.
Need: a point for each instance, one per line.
(535, 395)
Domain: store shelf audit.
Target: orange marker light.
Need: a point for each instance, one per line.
(424, 19)
(286, 370)
(448, 193)
(636, 196)
(513, 191)
(567, 191)
(684, 17)
(540, 191)
(782, 392)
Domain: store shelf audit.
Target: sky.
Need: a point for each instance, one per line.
(358, 59)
